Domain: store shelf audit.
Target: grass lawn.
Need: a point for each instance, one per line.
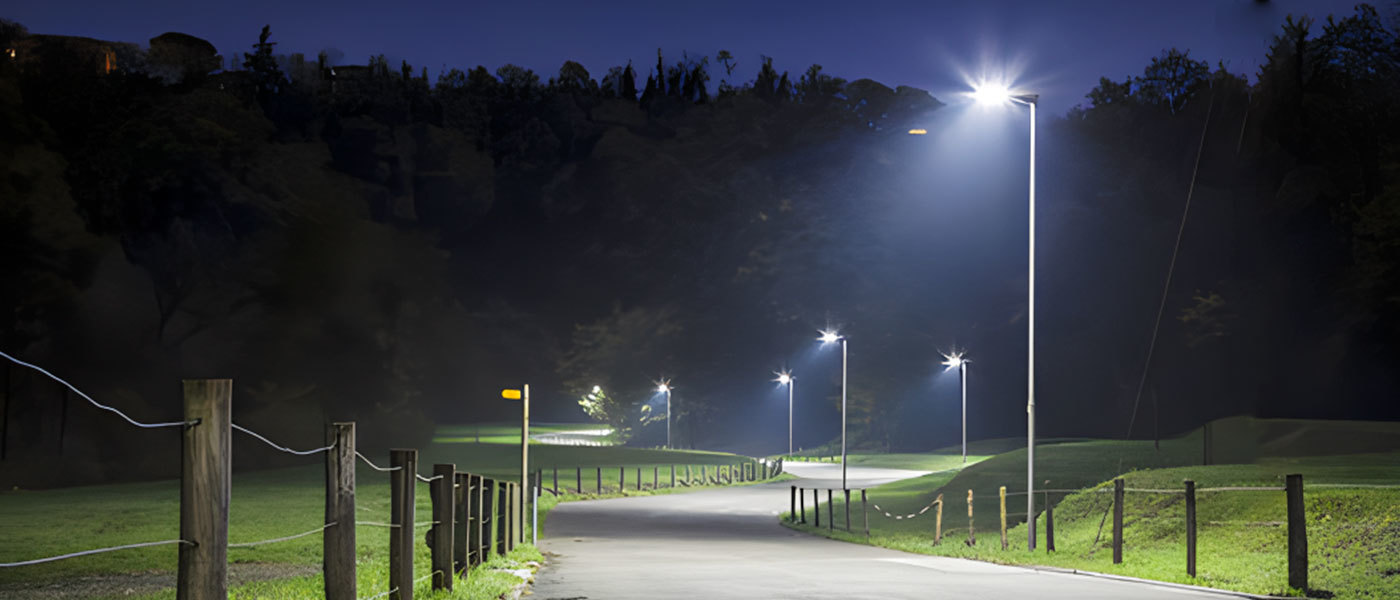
(1354, 534)
(269, 504)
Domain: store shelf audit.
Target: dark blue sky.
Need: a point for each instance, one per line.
(1058, 49)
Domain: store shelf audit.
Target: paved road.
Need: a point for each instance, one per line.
(727, 543)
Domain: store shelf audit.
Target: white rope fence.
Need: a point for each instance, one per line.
(282, 539)
(94, 402)
(374, 466)
(88, 552)
(278, 446)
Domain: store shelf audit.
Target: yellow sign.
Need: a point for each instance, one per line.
(918, 132)
(510, 394)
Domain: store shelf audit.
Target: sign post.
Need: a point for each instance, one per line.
(523, 395)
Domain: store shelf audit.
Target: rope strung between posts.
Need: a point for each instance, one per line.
(908, 516)
(1359, 486)
(374, 466)
(427, 479)
(88, 552)
(94, 402)
(382, 594)
(281, 539)
(282, 448)
(392, 525)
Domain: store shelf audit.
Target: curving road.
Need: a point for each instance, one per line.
(727, 543)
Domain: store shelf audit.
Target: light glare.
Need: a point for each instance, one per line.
(991, 93)
(828, 337)
(953, 360)
(784, 378)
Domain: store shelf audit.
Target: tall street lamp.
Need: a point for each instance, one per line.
(829, 337)
(1000, 95)
(664, 387)
(956, 361)
(785, 378)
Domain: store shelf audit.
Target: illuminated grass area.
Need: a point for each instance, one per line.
(1353, 534)
(270, 504)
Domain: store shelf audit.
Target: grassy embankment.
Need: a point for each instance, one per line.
(1353, 534)
(276, 503)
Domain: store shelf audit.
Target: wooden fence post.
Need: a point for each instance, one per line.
(792, 503)
(205, 467)
(578, 480)
(1297, 533)
(461, 530)
(816, 508)
(864, 510)
(1118, 521)
(1002, 494)
(403, 481)
(1049, 526)
(639, 479)
(513, 508)
(802, 506)
(971, 529)
(673, 476)
(338, 541)
(440, 533)
(621, 479)
(1190, 528)
(938, 521)
(847, 506)
(600, 480)
(655, 477)
(556, 481)
(489, 501)
(830, 515)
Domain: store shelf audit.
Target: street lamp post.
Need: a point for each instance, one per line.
(993, 94)
(827, 338)
(785, 378)
(956, 361)
(665, 387)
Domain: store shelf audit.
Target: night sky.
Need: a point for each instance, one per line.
(1058, 49)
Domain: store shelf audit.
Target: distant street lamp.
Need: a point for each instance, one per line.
(785, 378)
(829, 337)
(956, 361)
(664, 386)
(998, 94)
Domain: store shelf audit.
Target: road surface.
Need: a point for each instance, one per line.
(727, 543)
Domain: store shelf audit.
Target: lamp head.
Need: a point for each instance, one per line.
(830, 336)
(663, 386)
(954, 360)
(992, 93)
(784, 378)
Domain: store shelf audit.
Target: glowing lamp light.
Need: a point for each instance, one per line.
(918, 132)
(953, 361)
(784, 378)
(991, 93)
(597, 389)
(663, 388)
(829, 337)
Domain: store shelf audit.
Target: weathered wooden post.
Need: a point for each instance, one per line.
(600, 480)
(830, 516)
(1049, 525)
(578, 480)
(440, 534)
(490, 495)
(1002, 493)
(639, 479)
(402, 483)
(816, 509)
(1118, 521)
(1190, 528)
(802, 505)
(1297, 533)
(792, 503)
(938, 521)
(971, 529)
(847, 506)
(865, 511)
(338, 540)
(655, 477)
(461, 530)
(621, 479)
(673, 476)
(205, 467)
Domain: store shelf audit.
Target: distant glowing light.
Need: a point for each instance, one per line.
(784, 378)
(954, 360)
(918, 132)
(829, 336)
(663, 387)
(597, 389)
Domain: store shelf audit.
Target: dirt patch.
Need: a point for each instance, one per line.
(134, 584)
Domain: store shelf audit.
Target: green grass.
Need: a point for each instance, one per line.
(1354, 534)
(503, 432)
(275, 503)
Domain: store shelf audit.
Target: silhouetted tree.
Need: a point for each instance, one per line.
(267, 76)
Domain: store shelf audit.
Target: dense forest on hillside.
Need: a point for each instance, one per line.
(368, 242)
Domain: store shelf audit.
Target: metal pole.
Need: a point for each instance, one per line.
(524, 443)
(535, 519)
(1030, 355)
(962, 376)
(843, 413)
(791, 384)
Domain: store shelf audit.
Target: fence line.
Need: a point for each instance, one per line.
(94, 402)
(88, 552)
(282, 539)
(374, 466)
(277, 446)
